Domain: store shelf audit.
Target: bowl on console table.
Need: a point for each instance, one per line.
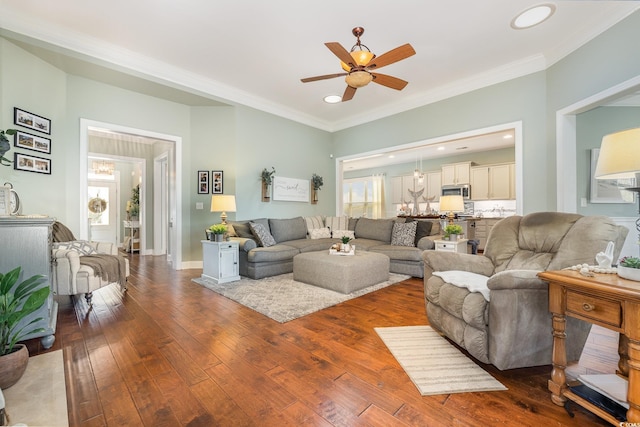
(629, 273)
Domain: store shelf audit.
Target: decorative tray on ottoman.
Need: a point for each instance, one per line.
(340, 253)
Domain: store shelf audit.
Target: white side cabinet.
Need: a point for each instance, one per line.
(220, 261)
(459, 246)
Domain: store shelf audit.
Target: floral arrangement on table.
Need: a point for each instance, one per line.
(630, 262)
(316, 180)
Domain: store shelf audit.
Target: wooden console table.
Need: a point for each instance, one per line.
(606, 300)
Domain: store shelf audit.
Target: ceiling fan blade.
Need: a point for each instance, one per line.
(325, 77)
(394, 55)
(389, 81)
(348, 93)
(342, 53)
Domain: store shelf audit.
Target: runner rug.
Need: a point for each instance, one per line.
(283, 299)
(434, 365)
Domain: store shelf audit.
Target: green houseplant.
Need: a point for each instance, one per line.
(5, 146)
(218, 231)
(17, 301)
(452, 229)
(267, 178)
(316, 184)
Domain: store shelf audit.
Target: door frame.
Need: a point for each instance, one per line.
(175, 183)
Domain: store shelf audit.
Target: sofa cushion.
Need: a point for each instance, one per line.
(400, 253)
(242, 229)
(275, 253)
(311, 245)
(262, 235)
(375, 229)
(320, 233)
(337, 222)
(352, 223)
(283, 230)
(404, 234)
(338, 234)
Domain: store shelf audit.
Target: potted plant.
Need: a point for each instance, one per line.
(16, 303)
(346, 247)
(452, 231)
(629, 268)
(217, 232)
(267, 178)
(5, 145)
(316, 185)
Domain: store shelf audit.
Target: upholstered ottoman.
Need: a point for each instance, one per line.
(341, 273)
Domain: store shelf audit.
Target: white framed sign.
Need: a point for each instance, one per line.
(291, 189)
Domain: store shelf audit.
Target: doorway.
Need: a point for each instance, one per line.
(172, 216)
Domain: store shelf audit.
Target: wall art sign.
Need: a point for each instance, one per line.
(26, 162)
(32, 121)
(290, 189)
(203, 182)
(32, 142)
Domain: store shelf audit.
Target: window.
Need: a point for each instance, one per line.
(363, 197)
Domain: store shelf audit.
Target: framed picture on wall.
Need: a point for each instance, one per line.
(609, 190)
(203, 182)
(31, 121)
(26, 162)
(216, 182)
(32, 142)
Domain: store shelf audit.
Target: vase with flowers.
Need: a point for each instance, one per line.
(316, 185)
(629, 268)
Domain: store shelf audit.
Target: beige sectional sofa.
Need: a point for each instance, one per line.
(294, 235)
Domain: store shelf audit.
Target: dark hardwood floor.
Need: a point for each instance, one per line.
(170, 352)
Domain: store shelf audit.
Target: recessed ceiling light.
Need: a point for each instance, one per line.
(391, 156)
(533, 16)
(509, 136)
(332, 99)
(440, 148)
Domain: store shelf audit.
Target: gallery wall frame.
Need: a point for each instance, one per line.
(217, 182)
(32, 142)
(29, 163)
(609, 190)
(32, 121)
(203, 182)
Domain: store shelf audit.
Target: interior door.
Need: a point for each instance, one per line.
(103, 211)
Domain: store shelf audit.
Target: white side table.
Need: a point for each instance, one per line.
(220, 261)
(459, 246)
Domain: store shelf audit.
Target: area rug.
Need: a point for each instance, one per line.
(283, 299)
(434, 365)
(40, 397)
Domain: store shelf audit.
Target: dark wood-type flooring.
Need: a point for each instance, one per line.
(170, 352)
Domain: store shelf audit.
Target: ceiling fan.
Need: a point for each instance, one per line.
(360, 62)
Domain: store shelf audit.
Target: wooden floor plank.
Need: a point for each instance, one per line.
(171, 352)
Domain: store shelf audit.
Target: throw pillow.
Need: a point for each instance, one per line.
(80, 246)
(404, 234)
(423, 229)
(313, 223)
(264, 238)
(284, 230)
(241, 229)
(320, 233)
(337, 222)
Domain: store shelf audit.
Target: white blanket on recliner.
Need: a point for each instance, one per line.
(464, 279)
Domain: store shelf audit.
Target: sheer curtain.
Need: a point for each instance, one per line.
(378, 206)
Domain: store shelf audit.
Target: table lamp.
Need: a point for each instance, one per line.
(451, 204)
(619, 159)
(223, 203)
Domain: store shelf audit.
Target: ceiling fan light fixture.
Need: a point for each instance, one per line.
(332, 99)
(533, 16)
(358, 79)
(360, 58)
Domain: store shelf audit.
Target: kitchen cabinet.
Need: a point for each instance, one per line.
(400, 186)
(492, 182)
(456, 173)
(434, 185)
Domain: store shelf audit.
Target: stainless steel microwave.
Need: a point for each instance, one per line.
(457, 190)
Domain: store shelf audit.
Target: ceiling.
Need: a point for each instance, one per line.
(207, 52)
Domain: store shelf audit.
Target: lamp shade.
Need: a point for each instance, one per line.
(223, 203)
(451, 204)
(619, 155)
